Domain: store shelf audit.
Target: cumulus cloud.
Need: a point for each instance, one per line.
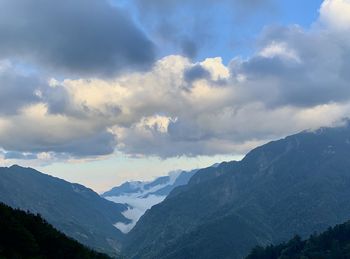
(16, 89)
(81, 37)
(335, 14)
(300, 68)
(195, 73)
(296, 79)
(34, 130)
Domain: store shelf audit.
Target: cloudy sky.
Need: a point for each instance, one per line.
(101, 91)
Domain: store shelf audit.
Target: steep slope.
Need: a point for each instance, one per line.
(299, 184)
(140, 196)
(24, 235)
(333, 243)
(72, 208)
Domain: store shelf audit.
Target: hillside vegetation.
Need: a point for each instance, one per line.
(331, 244)
(296, 185)
(25, 235)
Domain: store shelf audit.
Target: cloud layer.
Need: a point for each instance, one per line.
(81, 37)
(296, 79)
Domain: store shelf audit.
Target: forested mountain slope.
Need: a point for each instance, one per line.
(295, 185)
(73, 209)
(333, 243)
(24, 235)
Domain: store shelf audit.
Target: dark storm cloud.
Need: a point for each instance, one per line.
(189, 48)
(88, 37)
(98, 144)
(196, 72)
(19, 155)
(23, 139)
(19, 90)
(296, 79)
(101, 143)
(16, 91)
(57, 99)
(309, 70)
(193, 25)
(186, 129)
(169, 5)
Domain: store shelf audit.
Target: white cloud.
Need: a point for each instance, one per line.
(297, 79)
(279, 49)
(139, 205)
(216, 68)
(336, 14)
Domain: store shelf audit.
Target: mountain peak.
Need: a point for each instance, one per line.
(15, 166)
(74, 209)
(298, 184)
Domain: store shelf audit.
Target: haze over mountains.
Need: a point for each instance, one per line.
(141, 196)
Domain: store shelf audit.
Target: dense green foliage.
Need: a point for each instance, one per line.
(331, 244)
(297, 185)
(25, 235)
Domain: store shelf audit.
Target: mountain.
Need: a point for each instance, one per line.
(71, 208)
(296, 185)
(24, 235)
(141, 196)
(333, 243)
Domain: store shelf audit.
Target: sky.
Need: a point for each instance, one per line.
(104, 91)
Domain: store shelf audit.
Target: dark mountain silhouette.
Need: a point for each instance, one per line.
(71, 208)
(333, 243)
(24, 235)
(295, 185)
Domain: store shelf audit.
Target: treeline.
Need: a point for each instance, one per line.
(24, 235)
(331, 244)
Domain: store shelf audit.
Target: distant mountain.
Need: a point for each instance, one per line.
(141, 196)
(24, 235)
(71, 208)
(333, 243)
(296, 185)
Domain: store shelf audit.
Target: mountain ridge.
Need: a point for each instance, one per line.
(295, 185)
(74, 209)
